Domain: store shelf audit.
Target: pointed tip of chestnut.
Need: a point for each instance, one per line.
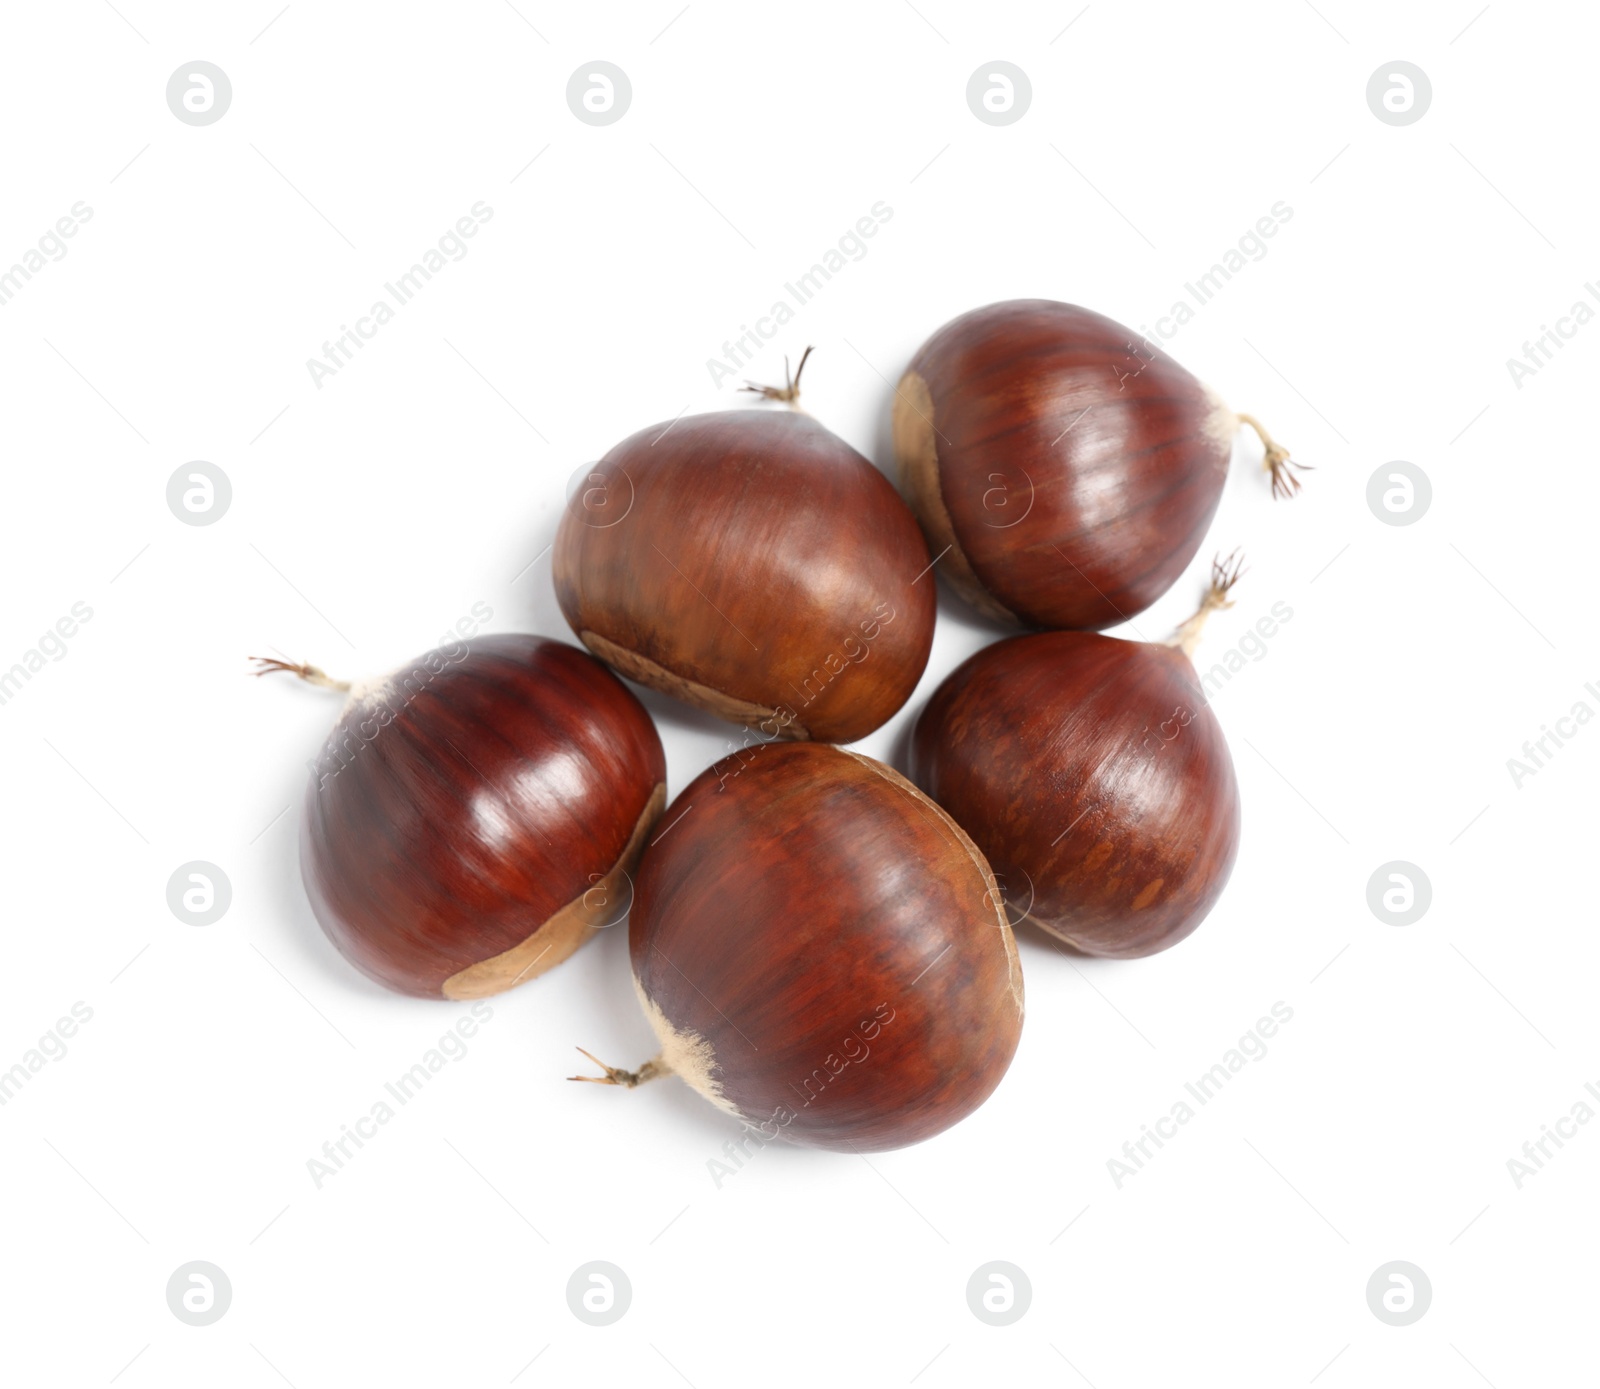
(474, 818)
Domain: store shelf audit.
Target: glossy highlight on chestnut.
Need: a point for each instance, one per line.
(474, 817)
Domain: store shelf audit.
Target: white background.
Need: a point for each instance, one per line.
(370, 514)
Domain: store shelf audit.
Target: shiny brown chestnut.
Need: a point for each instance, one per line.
(1065, 466)
(1096, 778)
(473, 818)
(821, 952)
(754, 565)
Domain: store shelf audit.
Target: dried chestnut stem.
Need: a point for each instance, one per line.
(1225, 573)
(1277, 460)
(789, 392)
(615, 1075)
(309, 673)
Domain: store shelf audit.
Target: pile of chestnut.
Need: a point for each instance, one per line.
(822, 945)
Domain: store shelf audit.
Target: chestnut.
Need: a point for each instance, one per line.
(1065, 468)
(472, 818)
(753, 564)
(821, 952)
(1096, 778)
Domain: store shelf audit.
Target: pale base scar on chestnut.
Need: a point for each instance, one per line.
(563, 933)
(916, 448)
(724, 706)
(684, 1053)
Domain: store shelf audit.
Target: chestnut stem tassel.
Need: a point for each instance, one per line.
(1225, 573)
(1276, 460)
(309, 673)
(615, 1075)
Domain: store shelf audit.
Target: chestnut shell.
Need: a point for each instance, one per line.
(751, 563)
(821, 951)
(1070, 467)
(1095, 777)
(470, 818)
